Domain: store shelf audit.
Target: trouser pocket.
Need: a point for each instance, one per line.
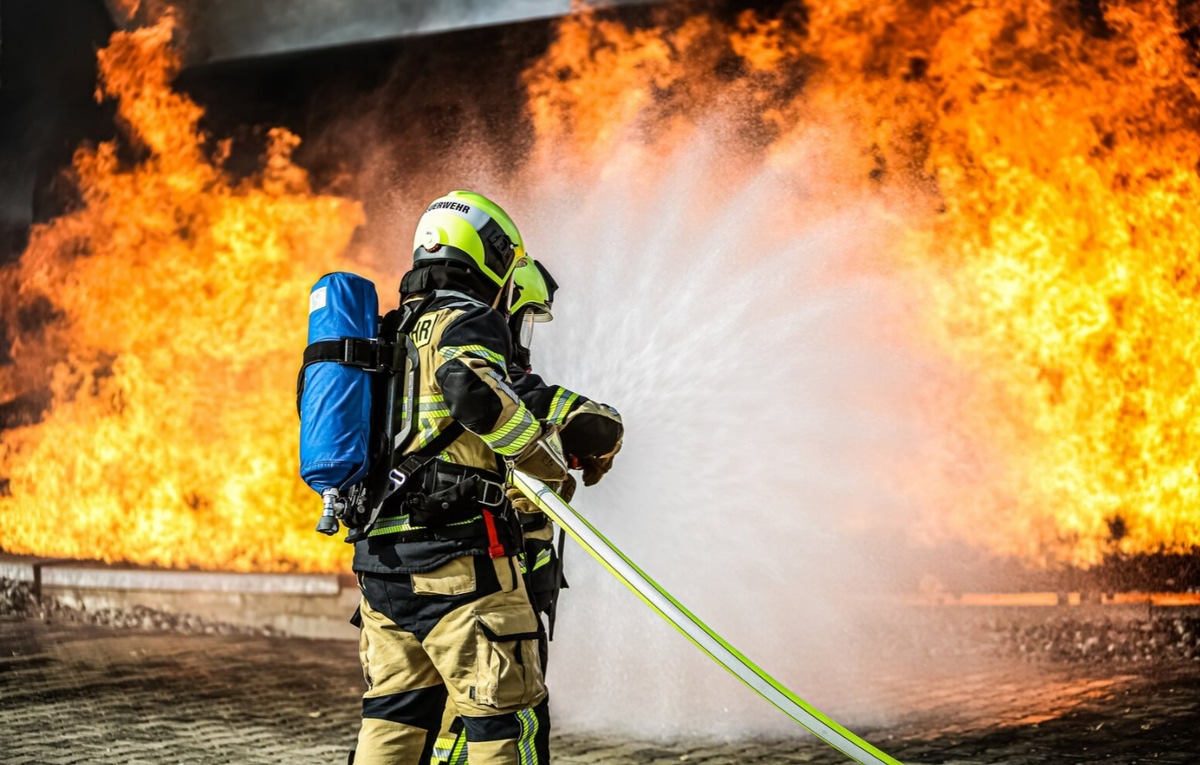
(508, 672)
(543, 567)
(454, 578)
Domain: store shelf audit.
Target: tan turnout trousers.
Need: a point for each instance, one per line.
(466, 634)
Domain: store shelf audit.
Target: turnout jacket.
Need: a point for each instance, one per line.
(587, 428)
(549, 403)
(464, 346)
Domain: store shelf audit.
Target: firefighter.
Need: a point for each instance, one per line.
(444, 613)
(595, 433)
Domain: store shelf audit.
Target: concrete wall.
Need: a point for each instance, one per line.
(229, 29)
(302, 605)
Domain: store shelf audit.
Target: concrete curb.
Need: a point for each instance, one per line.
(300, 605)
(65, 572)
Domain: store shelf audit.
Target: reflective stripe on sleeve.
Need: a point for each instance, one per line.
(561, 404)
(514, 435)
(475, 351)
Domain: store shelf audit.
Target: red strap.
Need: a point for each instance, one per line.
(495, 547)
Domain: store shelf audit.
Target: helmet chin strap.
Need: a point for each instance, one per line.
(504, 289)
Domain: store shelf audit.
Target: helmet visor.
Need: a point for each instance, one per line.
(531, 316)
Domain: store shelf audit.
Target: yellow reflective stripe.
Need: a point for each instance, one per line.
(458, 755)
(477, 351)
(392, 526)
(433, 406)
(430, 409)
(441, 751)
(560, 405)
(400, 524)
(515, 434)
(542, 559)
(526, 753)
(522, 441)
(429, 431)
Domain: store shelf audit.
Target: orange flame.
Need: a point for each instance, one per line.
(179, 297)
(1060, 272)
(1064, 275)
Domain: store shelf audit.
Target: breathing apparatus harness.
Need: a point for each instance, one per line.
(439, 497)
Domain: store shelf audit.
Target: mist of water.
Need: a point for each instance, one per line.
(764, 406)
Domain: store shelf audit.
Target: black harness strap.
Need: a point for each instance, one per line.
(401, 477)
(367, 354)
(387, 483)
(351, 351)
(552, 615)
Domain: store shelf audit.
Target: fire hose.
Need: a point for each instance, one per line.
(661, 601)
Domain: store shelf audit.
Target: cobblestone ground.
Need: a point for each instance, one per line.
(74, 693)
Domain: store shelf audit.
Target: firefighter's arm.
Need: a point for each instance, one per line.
(473, 349)
(591, 432)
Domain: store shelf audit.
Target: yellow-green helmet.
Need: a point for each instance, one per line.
(532, 295)
(470, 229)
(533, 288)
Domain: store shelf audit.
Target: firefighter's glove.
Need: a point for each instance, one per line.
(592, 430)
(592, 435)
(594, 469)
(543, 458)
(520, 502)
(566, 489)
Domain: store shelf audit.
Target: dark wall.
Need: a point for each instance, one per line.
(382, 120)
(47, 106)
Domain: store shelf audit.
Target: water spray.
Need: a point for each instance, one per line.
(690, 626)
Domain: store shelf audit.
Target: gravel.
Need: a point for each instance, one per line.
(1104, 640)
(17, 600)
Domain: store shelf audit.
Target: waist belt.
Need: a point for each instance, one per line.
(449, 502)
(449, 481)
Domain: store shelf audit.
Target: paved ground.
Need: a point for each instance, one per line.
(72, 693)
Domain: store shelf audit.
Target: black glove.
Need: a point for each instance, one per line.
(594, 468)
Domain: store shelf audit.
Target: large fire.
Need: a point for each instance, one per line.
(172, 435)
(1043, 159)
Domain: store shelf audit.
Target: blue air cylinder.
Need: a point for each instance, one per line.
(335, 406)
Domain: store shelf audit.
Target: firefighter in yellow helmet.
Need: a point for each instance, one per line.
(445, 614)
(594, 432)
